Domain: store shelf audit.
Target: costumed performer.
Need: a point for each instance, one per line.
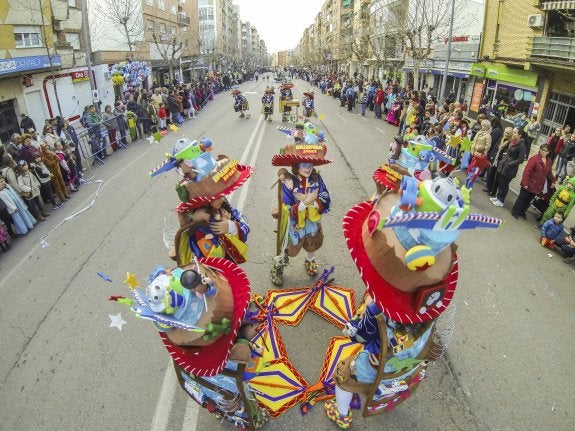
(562, 200)
(308, 104)
(303, 199)
(212, 227)
(404, 248)
(285, 96)
(268, 103)
(241, 104)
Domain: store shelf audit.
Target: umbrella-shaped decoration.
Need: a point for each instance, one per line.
(288, 306)
(339, 348)
(278, 387)
(271, 342)
(335, 304)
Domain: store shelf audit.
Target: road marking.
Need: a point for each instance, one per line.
(251, 141)
(165, 400)
(191, 416)
(379, 130)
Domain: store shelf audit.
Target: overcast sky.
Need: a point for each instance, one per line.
(279, 23)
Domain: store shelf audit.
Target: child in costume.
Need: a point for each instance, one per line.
(403, 246)
(268, 103)
(211, 225)
(241, 104)
(302, 200)
(308, 104)
(22, 219)
(552, 230)
(562, 200)
(285, 95)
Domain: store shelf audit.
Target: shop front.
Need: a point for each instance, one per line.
(506, 91)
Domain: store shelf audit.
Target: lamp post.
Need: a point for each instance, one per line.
(441, 94)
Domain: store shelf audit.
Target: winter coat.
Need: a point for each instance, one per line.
(481, 142)
(110, 120)
(536, 173)
(551, 230)
(509, 164)
(29, 185)
(496, 135)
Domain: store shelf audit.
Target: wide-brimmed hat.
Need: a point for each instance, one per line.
(309, 94)
(286, 85)
(223, 179)
(236, 91)
(302, 152)
(209, 360)
(270, 90)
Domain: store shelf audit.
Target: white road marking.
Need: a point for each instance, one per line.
(379, 130)
(191, 416)
(165, 400)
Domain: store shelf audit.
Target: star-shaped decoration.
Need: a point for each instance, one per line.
(454, 141)
(174, 128)
(131, 280)
(151, 139)
(117, 321)
(157, 136)
(465, 144)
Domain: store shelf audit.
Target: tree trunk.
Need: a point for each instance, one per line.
(416, 74)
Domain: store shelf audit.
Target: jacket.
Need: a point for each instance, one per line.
(29, 185)
(509, 164)
(536, 173)
(551, 230)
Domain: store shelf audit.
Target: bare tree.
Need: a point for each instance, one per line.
(125, 17)
(169, 47)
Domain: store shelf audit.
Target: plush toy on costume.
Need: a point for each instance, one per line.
(268, 103)
(241, 104)
(562, 201)
(212, 227)
(308, 104)
(403, 246)
(303, 198)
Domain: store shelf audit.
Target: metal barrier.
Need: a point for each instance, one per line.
(97, 148)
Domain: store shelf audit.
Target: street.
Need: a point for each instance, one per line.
(64, 368)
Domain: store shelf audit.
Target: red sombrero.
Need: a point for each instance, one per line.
(209, 360)
(236, 91)
(309, 94)
(396, 304)
(270, 91)
(287, 85)
(302, 153)
(205, 196)
(387, 177)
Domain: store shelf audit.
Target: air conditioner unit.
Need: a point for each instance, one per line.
(108, 75)
(536, 20)
(58, 25)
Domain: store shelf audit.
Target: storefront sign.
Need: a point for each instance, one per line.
(21, 64)
(501, 72)
(476, 97)
(79, 76)
(457, 39)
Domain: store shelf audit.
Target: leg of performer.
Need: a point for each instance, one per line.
(342, 400)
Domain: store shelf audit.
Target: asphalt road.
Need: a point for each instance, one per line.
(64, 368)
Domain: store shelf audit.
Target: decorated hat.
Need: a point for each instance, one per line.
(311, 150)
(404, 246)
(235, 91)
(209, 180)
(309, 93)
(233, 297)
(270, 90)
(286, 85)
(184, 150)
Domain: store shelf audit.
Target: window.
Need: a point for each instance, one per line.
(72, 3)
(27, 36)
(150, 2)
(161, 5)
(73, 39)
(150, 24)
(173, 9)
(163, 27)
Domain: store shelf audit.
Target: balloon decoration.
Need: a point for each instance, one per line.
(132, 73)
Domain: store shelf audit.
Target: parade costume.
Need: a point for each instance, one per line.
(286, 97)
(210, 225)
(403, 244)
(302, 200)
(241, 104)
(268, 103)
(308, 104)
(562, 200)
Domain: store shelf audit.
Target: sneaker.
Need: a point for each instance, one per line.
(342, 421)
(493, 199)
(569, 259)
(497, 203)
(56, 206)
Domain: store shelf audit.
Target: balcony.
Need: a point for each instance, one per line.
(557, 50)
(183, 19)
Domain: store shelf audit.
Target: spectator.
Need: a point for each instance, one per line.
(567, 246)
(52, 162)
(20, 217)
(30, 191)
(537, 177)
(26, 123)
(13, 146)
(72, 140)
(111, 125)
(8, 168)
(514, 155)
(553, 143)
(552, 230)
(532, 128)
(45, 179)
(566, 154)
(121, 121)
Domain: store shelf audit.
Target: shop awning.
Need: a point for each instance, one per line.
(451, 73)
(500, 72)
(556, 5)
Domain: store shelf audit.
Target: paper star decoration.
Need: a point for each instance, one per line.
(465, 144)
(151, 140)
(174, 128)
(117, 321)
(131, 280)
(157, 136)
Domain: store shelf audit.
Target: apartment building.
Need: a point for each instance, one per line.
(42, 62)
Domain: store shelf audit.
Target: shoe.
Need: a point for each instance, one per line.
(40, 219)
(493, 199)
(342, 422)
(569, 259)
(56, 206)
(310, 267)
(497, 202)
(45, 214)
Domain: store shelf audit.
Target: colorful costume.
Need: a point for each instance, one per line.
(403, 246)
(285, 96)
(302, 200)
(212, 227)
(241, 104)
(562, 200)
(268, 103)
(308, 104)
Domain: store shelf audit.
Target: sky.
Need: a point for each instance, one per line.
(279, 23)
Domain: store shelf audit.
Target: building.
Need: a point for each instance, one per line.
(42, 64)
